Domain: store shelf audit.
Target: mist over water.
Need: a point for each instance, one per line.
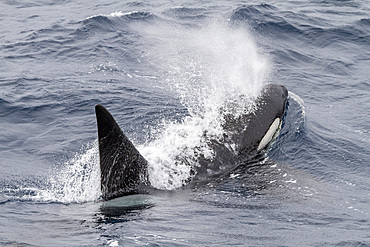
(214, 70)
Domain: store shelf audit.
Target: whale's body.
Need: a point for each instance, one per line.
(124, 171)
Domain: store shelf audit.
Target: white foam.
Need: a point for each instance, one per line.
(112, 243)
(77, 181)
(113, 14)
(214, 70)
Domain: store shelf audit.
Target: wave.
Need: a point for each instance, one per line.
(264, 19)
(133, 15)
(116, 21)
(268, 20)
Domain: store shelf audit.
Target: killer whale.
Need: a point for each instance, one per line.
(124, 171)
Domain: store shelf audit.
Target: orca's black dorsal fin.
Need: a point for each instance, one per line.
(123, 169)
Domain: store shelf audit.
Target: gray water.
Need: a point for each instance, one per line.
(163, 69)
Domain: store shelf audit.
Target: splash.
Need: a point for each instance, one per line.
(77, 181)
(214, 70)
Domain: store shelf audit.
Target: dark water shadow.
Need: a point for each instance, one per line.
(123, 209)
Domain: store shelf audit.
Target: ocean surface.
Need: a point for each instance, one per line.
(164, 69)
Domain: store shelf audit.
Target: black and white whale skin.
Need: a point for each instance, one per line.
(124, 171)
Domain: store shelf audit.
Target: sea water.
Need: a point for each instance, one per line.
(167, 71)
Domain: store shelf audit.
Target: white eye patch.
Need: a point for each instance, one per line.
(270, 134)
